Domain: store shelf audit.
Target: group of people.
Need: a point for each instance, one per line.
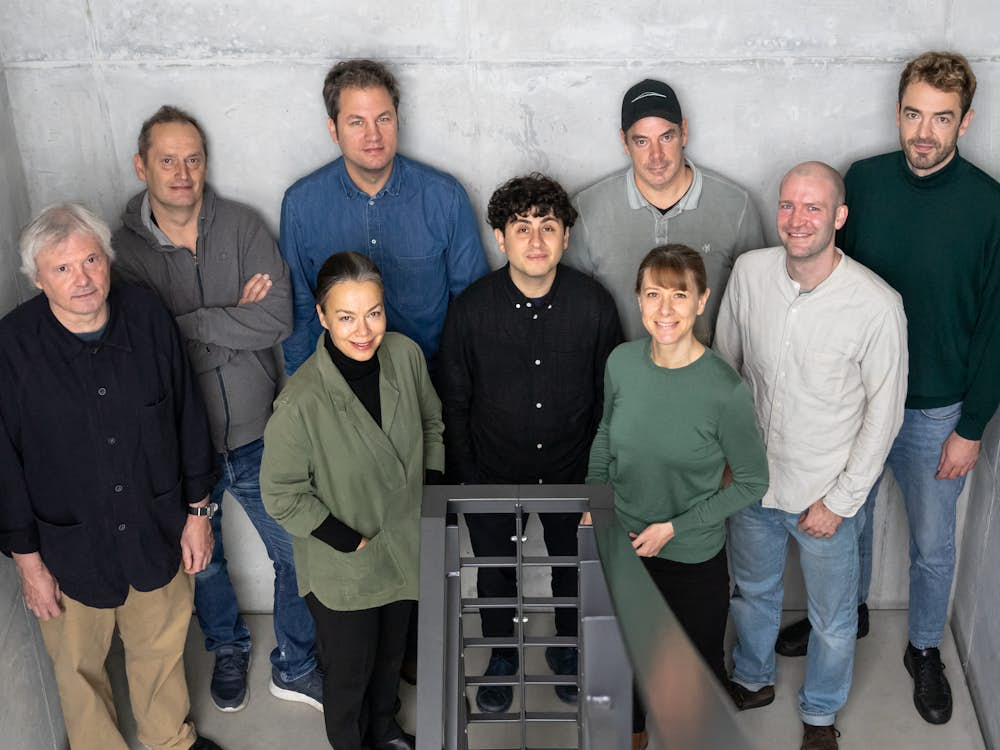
(636, 336)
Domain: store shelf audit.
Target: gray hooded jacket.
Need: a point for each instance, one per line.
(232, 347)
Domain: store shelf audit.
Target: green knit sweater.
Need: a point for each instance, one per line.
(662, 444)
(936, 240)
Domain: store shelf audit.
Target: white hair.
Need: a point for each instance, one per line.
(53, 225)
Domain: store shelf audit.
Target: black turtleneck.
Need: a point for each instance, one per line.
(362, 378)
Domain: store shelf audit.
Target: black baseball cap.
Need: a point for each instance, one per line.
(650, 98)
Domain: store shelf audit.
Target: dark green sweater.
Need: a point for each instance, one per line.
(664, 440)
(936, 240)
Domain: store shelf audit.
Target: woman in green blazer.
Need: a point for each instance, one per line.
(345, 455)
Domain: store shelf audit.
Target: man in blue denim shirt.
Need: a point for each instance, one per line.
(412, 220)
(217, 268)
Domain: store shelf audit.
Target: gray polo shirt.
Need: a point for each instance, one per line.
(618, 226)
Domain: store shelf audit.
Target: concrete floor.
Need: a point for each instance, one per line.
(879, 713)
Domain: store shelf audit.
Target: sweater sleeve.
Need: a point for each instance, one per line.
(744, 451)
(598, 470)
(983, 387)
(256, 325)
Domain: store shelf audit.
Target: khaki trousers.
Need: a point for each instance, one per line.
(153, 627)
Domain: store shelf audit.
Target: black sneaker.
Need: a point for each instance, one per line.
(229, 679)
(931, 691)
(496, 699)
(563, 660)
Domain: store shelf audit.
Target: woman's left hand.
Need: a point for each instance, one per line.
(651, 540)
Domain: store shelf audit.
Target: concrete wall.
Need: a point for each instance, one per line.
(26, 669)
(489, 90)
(976, 613)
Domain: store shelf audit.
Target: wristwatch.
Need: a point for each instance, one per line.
(205, 510)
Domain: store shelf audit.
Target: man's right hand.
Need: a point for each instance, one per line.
(255, 289)
(41, 589)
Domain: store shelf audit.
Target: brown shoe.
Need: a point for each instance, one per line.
(819, 738)
(640, 740)
(747, 699)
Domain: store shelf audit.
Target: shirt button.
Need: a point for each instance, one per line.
(527, 304)
(517, 305)
(112, 441)
(374, 242)
(119, 488)
(534, 317)
(102, 391)
(538, 361)
(121, 527)
(371, 203)
(538, 405)
(539, 446)
(539, 481)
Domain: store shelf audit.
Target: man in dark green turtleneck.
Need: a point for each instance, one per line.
(928, 222)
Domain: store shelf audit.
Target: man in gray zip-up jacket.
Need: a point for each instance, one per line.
(218, 269)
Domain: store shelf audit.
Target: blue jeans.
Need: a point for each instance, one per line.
(930, 512)
(758, 539)
(214, 597)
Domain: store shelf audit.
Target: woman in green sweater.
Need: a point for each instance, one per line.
(345, 456)
(675, 415)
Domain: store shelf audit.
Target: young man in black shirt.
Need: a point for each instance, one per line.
(522, 372)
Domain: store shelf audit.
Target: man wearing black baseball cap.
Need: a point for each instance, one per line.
(662, 197)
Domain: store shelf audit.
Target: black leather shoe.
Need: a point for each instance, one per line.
(931, 691)
(747, 699)
(203, 743)
(496, 699)
(793, 640)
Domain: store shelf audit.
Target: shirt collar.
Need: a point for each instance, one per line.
(115, 334)
(146, 214)
(392, 187)
(688, 201)
(517, 298)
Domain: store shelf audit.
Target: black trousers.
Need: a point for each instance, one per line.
(698, 595)
(360, 652)
(490, 534)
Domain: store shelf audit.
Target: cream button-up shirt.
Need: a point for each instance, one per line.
(827, 370)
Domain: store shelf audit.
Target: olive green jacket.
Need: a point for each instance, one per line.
(324, 454)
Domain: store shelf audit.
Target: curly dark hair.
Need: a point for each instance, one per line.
(529, 195)
(357, 74)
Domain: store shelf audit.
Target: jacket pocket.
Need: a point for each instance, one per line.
(67, 550)
(158, 438)
(370, 571)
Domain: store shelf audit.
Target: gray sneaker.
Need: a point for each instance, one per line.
(306, 689)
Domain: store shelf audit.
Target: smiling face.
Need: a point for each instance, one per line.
(534, 246)
(75, 276)
(808, 215)
(669, 312)
(174, 168)
(366, 131)
(353, 314)
(656, 148)
(930, 123)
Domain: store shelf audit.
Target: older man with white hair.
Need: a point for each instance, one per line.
(105, 470)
